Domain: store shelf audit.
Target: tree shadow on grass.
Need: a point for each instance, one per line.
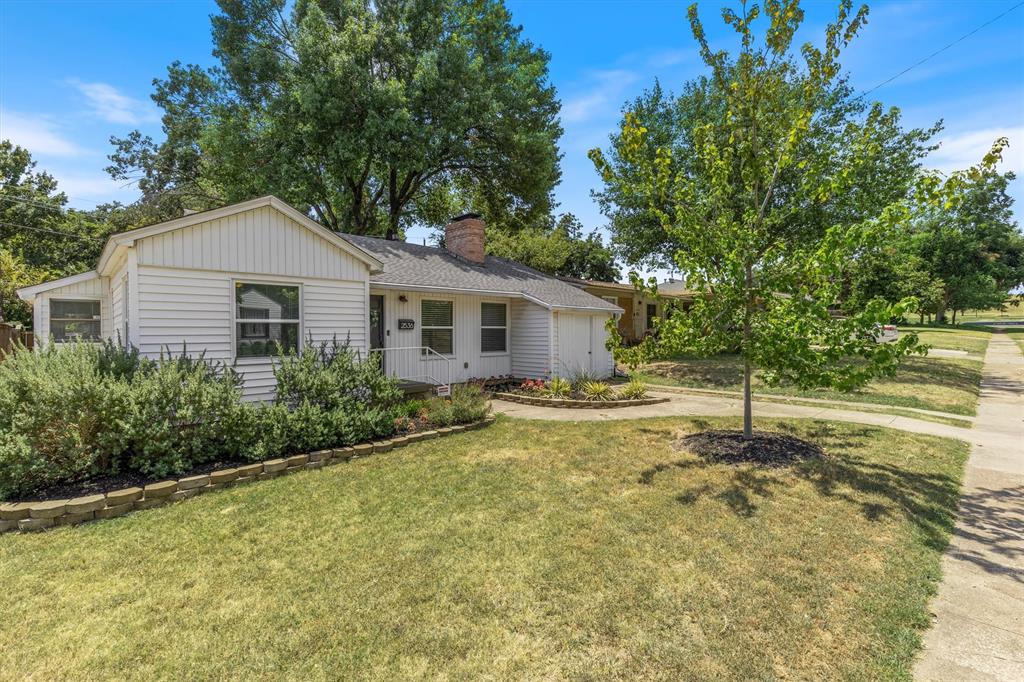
(877, 490)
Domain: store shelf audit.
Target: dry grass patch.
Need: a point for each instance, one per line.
(531, 550)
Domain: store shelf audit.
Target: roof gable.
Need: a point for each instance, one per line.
(123, 240)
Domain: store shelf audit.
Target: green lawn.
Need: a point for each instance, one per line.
(952, 338)
(930, 383)
(530, 550)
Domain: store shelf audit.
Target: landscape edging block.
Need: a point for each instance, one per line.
(34, 516)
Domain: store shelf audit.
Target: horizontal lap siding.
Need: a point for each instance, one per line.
(194, 308)
(335, 310)
(531, 339)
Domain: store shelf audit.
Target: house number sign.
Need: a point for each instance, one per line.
(407, 324)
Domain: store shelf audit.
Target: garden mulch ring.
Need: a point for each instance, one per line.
(766, 448)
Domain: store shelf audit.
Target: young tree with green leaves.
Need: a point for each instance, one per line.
(372, 115)
(743, 210)
(884, 177)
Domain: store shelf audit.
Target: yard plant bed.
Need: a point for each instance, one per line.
(766, 448)
(115, 496)
(576, 404)
(529, 550)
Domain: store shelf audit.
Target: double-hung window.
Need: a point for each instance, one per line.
(266, 316)
(493, 327)
(437, 326)
(74, 321)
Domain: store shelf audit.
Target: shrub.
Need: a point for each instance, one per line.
(61, 418)
(596, 390)
(532, 386)
(467, 404)
(331, 375)
(634, 390)
(270, 436)
(580, 376)
(559, 388)
(184, 412)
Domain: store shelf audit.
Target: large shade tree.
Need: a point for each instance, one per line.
(744, 211)
(372, 115)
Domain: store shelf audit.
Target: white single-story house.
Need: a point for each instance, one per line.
(236, 281)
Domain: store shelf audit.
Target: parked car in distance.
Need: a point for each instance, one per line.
(886, 333)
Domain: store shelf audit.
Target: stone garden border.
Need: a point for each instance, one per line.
(576, 404)
(32, 516)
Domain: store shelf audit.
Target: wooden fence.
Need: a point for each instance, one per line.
(11, 336)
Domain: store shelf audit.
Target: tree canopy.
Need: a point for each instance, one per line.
(756, 216)
(372, 115)
(40, 238)
(560, 249)
(838, 125)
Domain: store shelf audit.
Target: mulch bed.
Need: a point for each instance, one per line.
(128, 479)
(766, 448)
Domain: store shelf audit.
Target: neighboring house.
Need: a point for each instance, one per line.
(640, 310)
(236, 281)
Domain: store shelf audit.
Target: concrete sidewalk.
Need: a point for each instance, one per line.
(978, 633)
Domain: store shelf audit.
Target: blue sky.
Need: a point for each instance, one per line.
(74, 73)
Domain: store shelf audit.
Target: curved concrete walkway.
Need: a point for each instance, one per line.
(978, 631)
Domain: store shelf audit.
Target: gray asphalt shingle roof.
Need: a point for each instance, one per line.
(430, 266)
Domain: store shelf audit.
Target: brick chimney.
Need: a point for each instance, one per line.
(464, 237)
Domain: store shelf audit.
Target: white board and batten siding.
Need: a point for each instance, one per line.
(95, 289)
(185, 288)
(578, 345)
(531, 340)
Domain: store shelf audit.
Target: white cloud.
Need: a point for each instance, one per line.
(38, 134)
(113, 106)
(959, 151)
(601, 95)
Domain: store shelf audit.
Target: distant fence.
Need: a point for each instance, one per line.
(11, 336)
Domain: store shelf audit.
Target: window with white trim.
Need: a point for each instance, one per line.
(493, 327)
(74, 320)
(266, 316)
(437, 326)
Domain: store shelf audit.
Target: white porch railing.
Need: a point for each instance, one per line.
(417, 363)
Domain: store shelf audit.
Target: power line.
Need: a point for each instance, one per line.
(941, 50)
(57, 232)
(31, 202)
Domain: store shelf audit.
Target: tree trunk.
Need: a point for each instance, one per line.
(954, 316)
(748, 412)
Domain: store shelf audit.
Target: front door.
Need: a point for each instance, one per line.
(377, 325)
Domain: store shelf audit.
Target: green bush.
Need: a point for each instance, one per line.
(80, 410)
(184, 412)
(558, 388)
(468, 403)
(596, 390)
(61, 418)
(331, 375)
(634, 390)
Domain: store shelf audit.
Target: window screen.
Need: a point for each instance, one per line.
(437, 327)
(74, 321)
(493, 327)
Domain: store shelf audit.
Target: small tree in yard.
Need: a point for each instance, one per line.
(771, 286)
